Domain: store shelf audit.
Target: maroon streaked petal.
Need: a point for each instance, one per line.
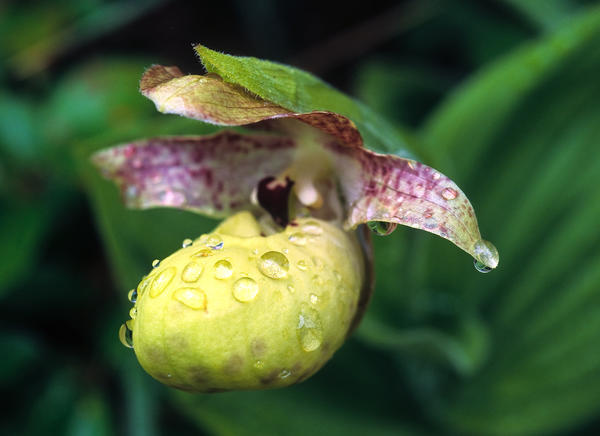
(213, 175)
(388, 188)
(208, 98)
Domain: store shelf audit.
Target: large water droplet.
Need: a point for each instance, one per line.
(297, 238)
(245, 289)
(274, 264)
(161, 281)
(191, 272)
(449, 194)
(301, 265)
(309, 330)
(223, 269)
(312, 228)
(155, 263)
(187, 242)
(126, 336)
(382, 228)
(132, 296)
(191, 297)
(486, 256)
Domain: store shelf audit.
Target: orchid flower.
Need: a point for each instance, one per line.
(267, 298)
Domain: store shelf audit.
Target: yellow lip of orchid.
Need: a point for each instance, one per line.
(237, 310)
(266, 299)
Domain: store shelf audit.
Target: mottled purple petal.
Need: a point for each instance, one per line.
(388, 188)
(214, 175)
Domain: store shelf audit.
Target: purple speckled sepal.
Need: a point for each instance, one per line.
(387, 188)
(214, 175)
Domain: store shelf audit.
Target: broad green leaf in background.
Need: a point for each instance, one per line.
(547, 14)
(530, 124)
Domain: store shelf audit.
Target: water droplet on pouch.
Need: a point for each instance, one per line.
(215, 242)
(191, 297)
(301, 265)
(291, 289)
(274, 264)
(382, 228)
(486, 256)
(312, 228)
(314, 298)
(132, 296)
(187, 242)
(161, 281)
(285, 373)
(126, 336)
(205, 252)
(223, 269)
(155, 263)
(245, 289)
(309, 330)
(133, 312)
(449, 194)
(297, 238)
(191, 273)
(144, 284)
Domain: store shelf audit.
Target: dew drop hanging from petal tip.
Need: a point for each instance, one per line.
(486, 257)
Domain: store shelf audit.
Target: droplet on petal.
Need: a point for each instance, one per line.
(449, 194)
(382, 228)
(486, 256)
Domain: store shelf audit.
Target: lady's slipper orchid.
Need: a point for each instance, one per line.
(266, 299)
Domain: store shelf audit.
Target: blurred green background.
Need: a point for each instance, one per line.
(500, 95)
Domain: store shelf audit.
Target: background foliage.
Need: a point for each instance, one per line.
(499, 95)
